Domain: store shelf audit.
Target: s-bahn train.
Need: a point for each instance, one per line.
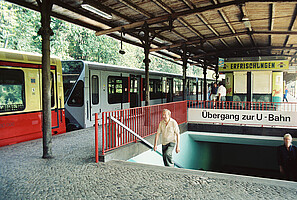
(86, 87)
(21, 100)
(95, 88)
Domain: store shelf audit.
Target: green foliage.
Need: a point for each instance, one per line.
(11, 94)
(19, 29)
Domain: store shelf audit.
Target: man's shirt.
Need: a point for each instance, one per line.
(169, 131)
(222, 91)
(287, 159)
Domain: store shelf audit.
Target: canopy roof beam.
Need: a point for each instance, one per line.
(164, 18)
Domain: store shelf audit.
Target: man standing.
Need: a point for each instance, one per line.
(221, 95)
(285, 94)
(168, 127)
(214, 90)
(222, 92)
(287, 158)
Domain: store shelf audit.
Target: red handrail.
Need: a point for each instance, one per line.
(145, 120)
(142, 120)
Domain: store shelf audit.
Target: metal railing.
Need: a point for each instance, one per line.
(244, 105)
(142, 120)
(145, 120)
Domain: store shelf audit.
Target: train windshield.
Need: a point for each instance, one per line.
(71, 71)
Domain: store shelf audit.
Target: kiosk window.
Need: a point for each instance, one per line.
(12, 90)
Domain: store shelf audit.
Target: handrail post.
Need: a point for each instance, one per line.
(96, 137)
(103, 132)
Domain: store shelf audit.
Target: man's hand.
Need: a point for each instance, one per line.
(177, 150)
(155, 147)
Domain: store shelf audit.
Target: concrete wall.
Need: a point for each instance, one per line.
(247, 130)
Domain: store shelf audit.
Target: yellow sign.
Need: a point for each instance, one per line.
(277, 65)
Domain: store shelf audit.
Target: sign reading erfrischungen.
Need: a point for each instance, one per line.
(277, 65)
(243, 117)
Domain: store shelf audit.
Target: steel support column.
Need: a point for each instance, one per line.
(45, 31)
(217, 74)
(185, 61)
(204, 82)
(147, 63)
(249, 95)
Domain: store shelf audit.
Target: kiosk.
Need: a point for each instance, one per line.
(256, 79)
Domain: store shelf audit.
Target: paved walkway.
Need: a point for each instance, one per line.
(73, 174)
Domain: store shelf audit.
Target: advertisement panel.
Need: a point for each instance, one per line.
(277, 86)
(276, 65)
(229, 84)
(243, 117)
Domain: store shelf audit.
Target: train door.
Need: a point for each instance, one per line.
(169, 89)
(54, 96)
(94, 94)
(54, 100)
(135, 100)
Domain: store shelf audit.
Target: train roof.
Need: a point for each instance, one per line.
(25, 57)
(117, 68)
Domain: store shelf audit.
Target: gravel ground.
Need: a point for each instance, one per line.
(73, 174)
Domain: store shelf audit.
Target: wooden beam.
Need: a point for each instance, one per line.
(148, 15)
(180, 19)
(136, 8)
(163, 6)
(293, 20)
(79, 11)
(99, 6)
(167, 17)
(270, 1)
(190, 27)
(225, 36)
(198, 41)
(241, 49)
(274, 32)
(228, 23)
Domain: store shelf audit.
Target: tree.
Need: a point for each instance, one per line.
(19, 27)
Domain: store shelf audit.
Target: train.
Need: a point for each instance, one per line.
(21, 97)
(79, 89)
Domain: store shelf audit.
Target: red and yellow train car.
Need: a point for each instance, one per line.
(21, 97)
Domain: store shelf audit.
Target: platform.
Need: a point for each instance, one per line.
(73, 174)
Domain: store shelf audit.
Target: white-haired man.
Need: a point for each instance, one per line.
(287, 159)
(169, 129)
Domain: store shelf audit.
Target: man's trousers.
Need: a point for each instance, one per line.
(167, 154)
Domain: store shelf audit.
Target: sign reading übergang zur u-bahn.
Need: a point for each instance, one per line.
(243, 117)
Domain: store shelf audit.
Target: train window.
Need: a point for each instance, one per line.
(134, 85)
(155, 89)
(71, 71)
(95, 90)
(151, 86)
(117, 89)
(72, 67)
(12, 89)
(77, 97)
(178, 87)
(192, 87)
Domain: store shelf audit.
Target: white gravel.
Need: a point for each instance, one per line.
(73, 174)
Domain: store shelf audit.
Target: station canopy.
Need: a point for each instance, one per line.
(205, 29)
